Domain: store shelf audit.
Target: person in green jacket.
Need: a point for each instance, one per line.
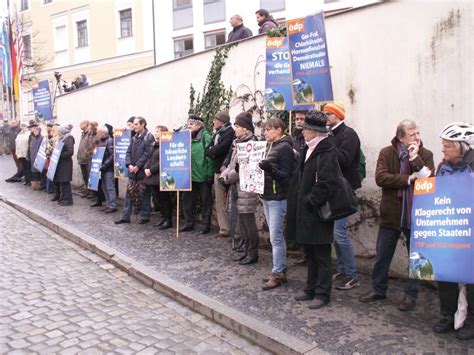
(202, 177)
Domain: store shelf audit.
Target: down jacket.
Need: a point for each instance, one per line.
(108, 161)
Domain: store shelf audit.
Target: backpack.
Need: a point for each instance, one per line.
(361, 166)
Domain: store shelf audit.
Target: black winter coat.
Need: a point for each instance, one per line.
(153, 163)
(108, 161)
(347, 144)
(311, 187)
(238, 33)
(220, 146)
(138, 152)
(282, 157)
(64, 168)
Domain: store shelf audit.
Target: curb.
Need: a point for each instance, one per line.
(250, 328)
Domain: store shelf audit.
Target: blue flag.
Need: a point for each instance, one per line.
(5, 55)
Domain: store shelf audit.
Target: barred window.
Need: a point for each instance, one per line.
(126, 23)
(82, 33)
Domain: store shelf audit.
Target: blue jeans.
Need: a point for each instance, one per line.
(345, 256)
(275, 213)
(108, 188)
(49, 186)
(387, 240)
(128, 206)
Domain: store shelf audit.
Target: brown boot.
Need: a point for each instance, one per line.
(35, 185)
(282, 277)
(275, 280)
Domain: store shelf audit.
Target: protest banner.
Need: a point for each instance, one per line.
(441, 243)
(53, 162)
(40, 159)
(175, 165)
(122, 139)
(249, 154)
(277, 77)
(309, 61)
(42, 101)
(96, 164)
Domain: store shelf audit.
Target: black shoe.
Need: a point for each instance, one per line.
(160, 222)
(65, 203)
(407, 304)
(97, 204)
(241, 249)
(445, 325)
(239, 245)
(55, 198)
(346, 283)
(239, 257)
(144, 221)
(317, 304)
(166, 224)
(371, 297)
(248, 260)
(466, 332)
(186, 229)
(27, 183)
(121, 221)
(206, 230)
(303, 296)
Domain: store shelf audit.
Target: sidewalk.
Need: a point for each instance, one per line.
(201, 267)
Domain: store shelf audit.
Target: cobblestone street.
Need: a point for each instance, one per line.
(58, 298)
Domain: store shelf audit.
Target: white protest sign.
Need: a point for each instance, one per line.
(251, 177)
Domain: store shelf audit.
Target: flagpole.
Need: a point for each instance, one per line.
(11, 95)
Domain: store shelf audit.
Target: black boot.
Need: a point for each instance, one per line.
(55, 197)
(166, 224)
(160, 222)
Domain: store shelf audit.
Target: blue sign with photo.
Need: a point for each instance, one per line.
(42, 101)
(310, 70)
(53, 162)
(40, 159)
(122, 139)
(96, 164)
(442, 244)
(175, 161)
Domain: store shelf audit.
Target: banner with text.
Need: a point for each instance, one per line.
(441, 244)
(122, 139)
(175, 161)
(277, 76)
(40, 159)
(96, 164)
(42, 101)
(249, 154)
(53, 161)
(310, 70)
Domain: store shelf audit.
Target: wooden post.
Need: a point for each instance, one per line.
(177, 214)
(290, 126)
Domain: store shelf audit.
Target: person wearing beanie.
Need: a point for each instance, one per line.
(202, 177)
(63, 176)
(217, 151)
(35, 143)
(306, 195)
(244, 119)
(347, 144)
(82, 158)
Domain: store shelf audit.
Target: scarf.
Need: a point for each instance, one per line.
(405, 194)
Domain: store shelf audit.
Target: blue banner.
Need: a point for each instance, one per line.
(40, 160)
(96, 164)
(277, 76)
(122, 139)
(175, 161)
(441, 244)
(310, 74)
(53, 162)
(42, 101)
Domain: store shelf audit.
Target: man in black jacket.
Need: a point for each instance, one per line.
(239, 31)
(347, 143)
(136, 157)
(107, 169)
(217, 151)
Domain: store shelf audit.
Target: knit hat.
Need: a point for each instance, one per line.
(32, 123)
(336, 108)
(65, 129)
(102, 128)
(316, 121)
(196, 120)
(222, 116)
(244, 119)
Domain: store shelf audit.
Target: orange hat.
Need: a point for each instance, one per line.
(336, 108)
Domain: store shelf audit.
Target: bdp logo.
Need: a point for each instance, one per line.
(166, 136)
(275, 42)
(296, 26)
(425, 186)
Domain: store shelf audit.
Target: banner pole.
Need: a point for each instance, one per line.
(291, 126)
(177, 214)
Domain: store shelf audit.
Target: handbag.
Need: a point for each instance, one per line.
(342, 204)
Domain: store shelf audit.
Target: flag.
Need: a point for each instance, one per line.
(19, 48)
(5, 55)
(14, 66)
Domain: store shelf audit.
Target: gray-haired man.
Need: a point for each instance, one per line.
(239, 31)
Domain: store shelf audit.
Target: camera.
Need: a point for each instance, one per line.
(57, 75)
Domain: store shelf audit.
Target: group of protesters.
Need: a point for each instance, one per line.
(300, 176)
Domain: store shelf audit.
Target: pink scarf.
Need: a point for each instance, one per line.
(312, 144)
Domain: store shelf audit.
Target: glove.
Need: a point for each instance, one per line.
(102, 169)
(222, 182)
(266, 166)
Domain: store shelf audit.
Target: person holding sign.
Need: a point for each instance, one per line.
(107, 169)
(458, 144)
(63, 175)
(35, 143)
(278, 166)
(398, 166)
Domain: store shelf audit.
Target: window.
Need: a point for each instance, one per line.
(182, 14)
(82, 33)
(214, 11)
(26, 47)
(47, 2)
(60, 39)
(214, 39)
(272, 5)
(183, 47)
(126, 23)
(24, 5)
